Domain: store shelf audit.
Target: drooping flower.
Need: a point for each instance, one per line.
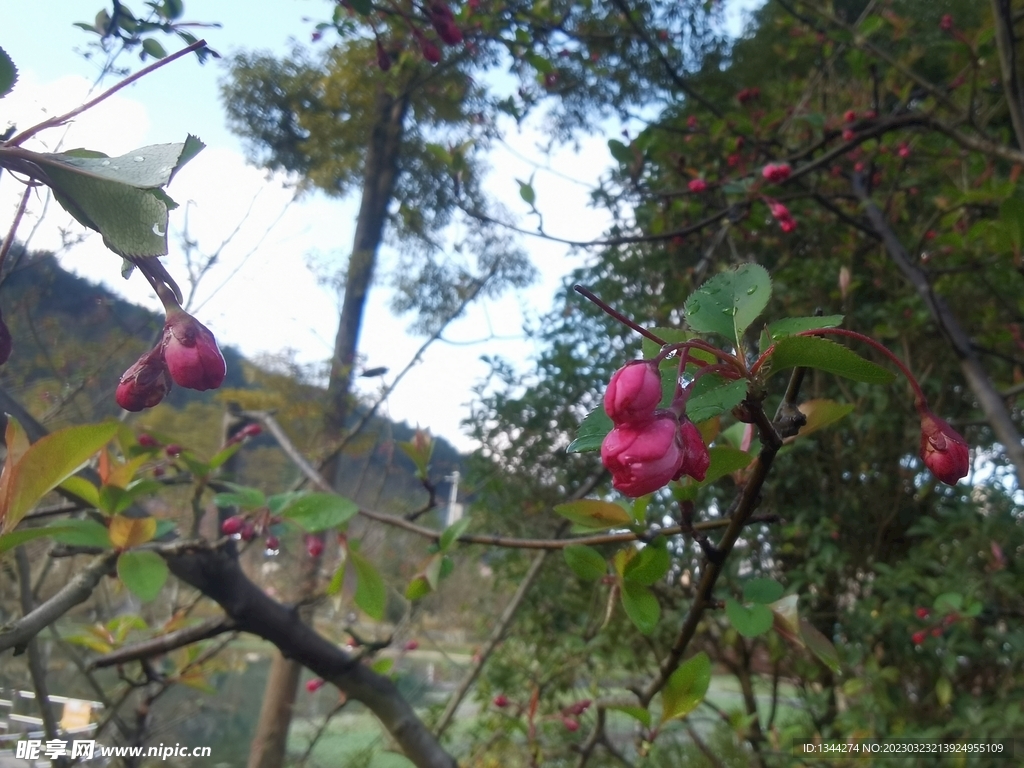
(633, 392)
(943, 450)
(146, 383)
(643, 456)
(191, 353)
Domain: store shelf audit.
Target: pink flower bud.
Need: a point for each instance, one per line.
(314, 685)
(922, 613)
(696, 458)
(633, 392)
(174, 450)
(500, 701)
(697, 185)
(578, 708)
(848, 134)
(145, 384)
(146, 440)
(191, 352)
(643, 456)
(903, 151)
(918, 637)
(944, 451)
(787, 225)
(232, 525)
(6, 342)
(849, 116)
(430, 51)
(412, 645)
(779, 211)
(571, 724)
(776, 172)
(946, 22)
(314, 545)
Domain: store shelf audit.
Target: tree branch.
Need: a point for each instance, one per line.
(164, 643)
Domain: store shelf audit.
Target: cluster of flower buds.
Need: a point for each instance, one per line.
(648, 446)
(187, 355)
(781, 213)
(775, 173)
(936, 628)
(242, 527)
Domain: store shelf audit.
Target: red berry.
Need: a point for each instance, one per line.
(501, 701)
(918, 637)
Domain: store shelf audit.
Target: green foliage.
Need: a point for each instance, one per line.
(144, 573)
(729, 302)
(8, 73)
(686, 687)
(825, 355)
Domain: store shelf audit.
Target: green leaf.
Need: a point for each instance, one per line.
(223, 455)
(586, 562)
(8, 73)
(792, 325)
(594, 513)
(418, 587)
(641, 606)
(16, 538)
(820, 645)
(650, 565)
(724, 461)
(83, 533)
(948, 602)
(371, 594)
(729, 302)
(143, 572)
(762, 591)
(620, 151)
(714, 398)
(526, 192)
(452, 533)
(120, 196)
(592, 432)
(383, 666)
(46, 464)
(241, 496)
(637, 713)
(1011, 221)
(943, 691)
(825, 355)
(83, 489)
(317, 512)
(153, 48)
(686, 687)
(749, 622)
(337, 581)
(821, 413)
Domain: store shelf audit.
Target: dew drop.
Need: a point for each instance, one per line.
(157, 231)
(139, 158)
(751, 290)
(694, 307)
(729, 311)
(105, 162)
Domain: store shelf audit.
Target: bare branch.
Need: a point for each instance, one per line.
(164, 643)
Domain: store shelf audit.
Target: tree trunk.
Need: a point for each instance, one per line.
(381, 170)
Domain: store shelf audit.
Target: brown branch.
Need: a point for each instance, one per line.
(1007, 45)
(164, 643)
(16, 634)
(217, 574)
(991, 402)
(60, 120)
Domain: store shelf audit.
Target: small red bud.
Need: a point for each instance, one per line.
(946, 22)
(173, 450)
(922, 613)
(849, 116)
(314, 545)
(148, 441)
(248, 532)
(571, 724)
(500, 701)
(273, 544)
(697, 185)
(944, 451)
(919, 637)
(145, 384)
(430, 51)
(776, 172)
(191, 353)
(936, 632)
(412, 645)
(314, 685)
(848, 134)
(232, 525)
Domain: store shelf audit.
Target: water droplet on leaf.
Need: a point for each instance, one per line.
(139, 158)
(751, 290)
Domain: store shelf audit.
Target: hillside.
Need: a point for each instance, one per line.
(73, 339)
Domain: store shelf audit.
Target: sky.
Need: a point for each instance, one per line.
(263, 296)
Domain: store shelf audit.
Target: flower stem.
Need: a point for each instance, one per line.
(618, 315)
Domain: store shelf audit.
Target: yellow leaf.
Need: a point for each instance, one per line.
(128, 532)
